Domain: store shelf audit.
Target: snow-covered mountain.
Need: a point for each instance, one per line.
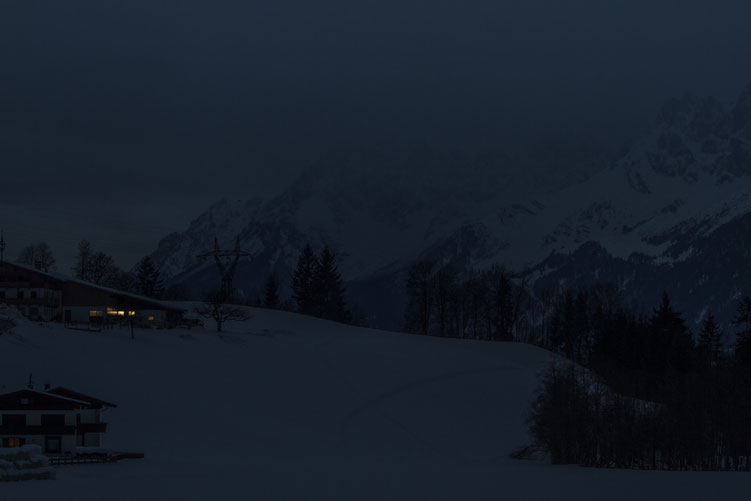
(658, 205)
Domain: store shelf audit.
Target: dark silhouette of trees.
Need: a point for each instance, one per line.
(302, 280)
(445, 286)
(318, 287)
(328, 289)
(671, 342)
(709, 344)
(484, 305)
(96, 267)
(742, 321)
(82, 268)
(641, 393)
(149, 280)
(271, 293)
(38, 255)
(420, 298)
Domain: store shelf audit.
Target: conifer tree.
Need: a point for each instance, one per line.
(709, 345)
(302, 280)
(271, 293)
(671, 341)
(149, 281)
(328, 289)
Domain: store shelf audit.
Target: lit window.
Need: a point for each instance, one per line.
(14, 442)
(131, 313)
(96, 313)
(151, 318)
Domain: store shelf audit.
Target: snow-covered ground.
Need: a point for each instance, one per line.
(288, 407)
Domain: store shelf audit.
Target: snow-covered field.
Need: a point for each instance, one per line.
(288, 407)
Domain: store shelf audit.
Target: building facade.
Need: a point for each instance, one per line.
(48, 296)
(58, 420)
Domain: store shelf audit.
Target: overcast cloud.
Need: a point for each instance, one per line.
(123, 120)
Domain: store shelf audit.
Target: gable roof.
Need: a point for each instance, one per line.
(29, 399)
(64, 278)
(56, 399)
(68, 393)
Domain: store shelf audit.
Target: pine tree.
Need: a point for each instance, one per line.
(271, 296)
(672, 344)
(709, 345)
(328, 289)
(302, 280)
(149, 281)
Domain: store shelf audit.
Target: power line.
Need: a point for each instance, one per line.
(226, 263)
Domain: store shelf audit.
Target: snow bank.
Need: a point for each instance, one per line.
(11, 313)
(24, 463)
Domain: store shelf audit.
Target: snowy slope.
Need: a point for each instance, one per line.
(288, 407)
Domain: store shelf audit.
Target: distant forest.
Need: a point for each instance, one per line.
(629, 390)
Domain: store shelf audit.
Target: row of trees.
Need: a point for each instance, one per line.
(485, 305)
(99, 268)
(642, 391)
(317, 286)
(317, 290)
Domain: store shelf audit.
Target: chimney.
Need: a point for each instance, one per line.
(31, 382)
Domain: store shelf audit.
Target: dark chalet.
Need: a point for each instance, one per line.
(46, 296)
(59, 420)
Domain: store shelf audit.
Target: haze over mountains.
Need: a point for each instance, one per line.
(642, 220)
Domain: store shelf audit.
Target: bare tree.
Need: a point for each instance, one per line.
(214, 306)
(39, 255)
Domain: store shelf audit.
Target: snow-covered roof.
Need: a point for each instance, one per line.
(66, 278)
(32, 399)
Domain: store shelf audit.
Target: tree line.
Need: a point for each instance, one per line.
(99, 268)
(485, 305)
(642, 391)
(631, 389)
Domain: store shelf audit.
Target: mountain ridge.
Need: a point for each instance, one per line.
(678, 184)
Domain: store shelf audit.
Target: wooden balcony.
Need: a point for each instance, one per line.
(12, 429)
(32, 301)
(91, 428)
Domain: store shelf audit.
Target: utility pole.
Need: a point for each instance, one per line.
(226, 263)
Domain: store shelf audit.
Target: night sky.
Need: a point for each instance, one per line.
(121, 121)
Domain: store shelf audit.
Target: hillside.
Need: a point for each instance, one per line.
(288, 407)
